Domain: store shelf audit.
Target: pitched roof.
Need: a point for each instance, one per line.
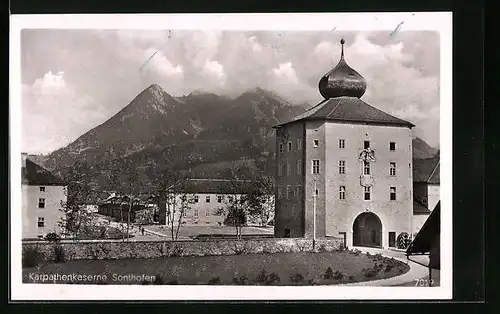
(428, 233)
(34, 174)
(420, 209)
(427, 170)
(349, 109)
(215, 186)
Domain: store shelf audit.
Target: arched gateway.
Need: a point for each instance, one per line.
(367, 230)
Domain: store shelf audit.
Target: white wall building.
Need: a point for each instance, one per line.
(43, 194)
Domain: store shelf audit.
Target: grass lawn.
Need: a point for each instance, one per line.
(191, 231)
(292, 269)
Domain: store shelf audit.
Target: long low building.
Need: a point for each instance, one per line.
(206, 201)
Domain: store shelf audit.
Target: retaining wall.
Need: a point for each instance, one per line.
(155, 249)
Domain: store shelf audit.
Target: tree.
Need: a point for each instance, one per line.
(249, 196)
(79, 193)
(174, 199)
(126, 179)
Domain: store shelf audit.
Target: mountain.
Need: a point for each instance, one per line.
(422, 150)
(201, 132)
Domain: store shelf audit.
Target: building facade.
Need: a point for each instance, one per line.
(426, 189)
(344, 168)
(43, 196)
(204, 200)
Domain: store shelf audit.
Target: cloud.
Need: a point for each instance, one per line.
(54, 113)
(287, 72)
(256, 46)
(156, 61)
(402, 72)
(214, 68)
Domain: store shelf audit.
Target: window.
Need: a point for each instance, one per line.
(184, 213)
(299, 192)
(367, 144)
(196, 212)
(290, 193)
(342, 192)
(207, 199)
(288, 168)
(196, 198)
(393, 193)
(42, 189)
(316, 143)
(367, 193)
(219, 198)
(280, 192)
(207, 212)
(41, 203)
(366, 168)
(392, 239)
(299, 166)
(392, 168)
(280, 169)
(281, 148)
(289, 146)
(299, 144)
(316, 192)
(342, 166)
(392, 146)
(41, 222)
(341, 143)
(315, 166)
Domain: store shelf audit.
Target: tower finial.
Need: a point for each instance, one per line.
(342, 42)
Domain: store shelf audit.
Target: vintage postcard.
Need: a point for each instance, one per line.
(231, 156)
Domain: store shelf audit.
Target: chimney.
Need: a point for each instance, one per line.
(23, 159)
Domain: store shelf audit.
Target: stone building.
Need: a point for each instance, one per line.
(43, 195)
(344, 168)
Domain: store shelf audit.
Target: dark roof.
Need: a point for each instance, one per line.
(349, 109)
(426, 170)
(34, 174)
(427, 235)
(215, 186)
(420, 209)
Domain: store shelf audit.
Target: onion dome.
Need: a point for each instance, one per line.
(342, 81)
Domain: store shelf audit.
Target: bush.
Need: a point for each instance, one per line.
(52, 237)
(338, 275)
(262, 277)
(158, 280)
(242, 280)
(59, 254)
(31, 256)
(214, 281)
(369, 272)
(328, 273)
(297, 277)
(273, 278)
(322, 248)
(388, 268)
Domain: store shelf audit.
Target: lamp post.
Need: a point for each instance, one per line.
(314, 214)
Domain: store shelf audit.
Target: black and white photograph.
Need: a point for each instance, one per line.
(231, 156)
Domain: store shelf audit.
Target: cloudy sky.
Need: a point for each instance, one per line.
(73, 80)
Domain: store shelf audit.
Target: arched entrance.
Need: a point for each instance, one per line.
(367, 230)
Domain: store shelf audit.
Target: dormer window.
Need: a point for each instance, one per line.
(42, 189)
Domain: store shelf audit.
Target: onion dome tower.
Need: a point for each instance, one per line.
(342, 81)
